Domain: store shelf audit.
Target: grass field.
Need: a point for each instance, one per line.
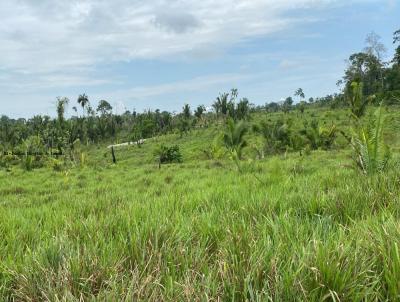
(289, 228)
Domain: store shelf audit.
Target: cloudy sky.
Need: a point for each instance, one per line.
(164, 53)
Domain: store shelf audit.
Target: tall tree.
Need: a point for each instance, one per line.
(83, 100)
(396, 39)
(376, 48)
(104, 107)
(62, 103)
(199, 112)
(186, 111)
(299, 92)
(287, 104)
(365, 68)
(221, 104)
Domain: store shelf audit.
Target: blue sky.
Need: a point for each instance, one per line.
(161, 54)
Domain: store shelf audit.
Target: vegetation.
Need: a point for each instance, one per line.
(168, 154)
(320, 223)
(371, 152)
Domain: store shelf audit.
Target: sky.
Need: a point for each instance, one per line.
(162, 54)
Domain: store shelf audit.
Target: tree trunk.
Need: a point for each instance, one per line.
(113, 156)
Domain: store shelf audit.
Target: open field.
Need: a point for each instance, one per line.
(288, 228)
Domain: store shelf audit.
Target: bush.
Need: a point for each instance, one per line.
(56, 164)
(30, 162)
(215, 150)
(168, 154)
(371, 153)
(279, 136)
(8, 160)
(27, 163)
(319, 137)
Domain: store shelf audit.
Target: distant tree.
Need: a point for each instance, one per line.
(242, 109)
(186, 111)
(234, 95)
(83, 100)
(377, 49)
(199, 111)
(272, 107)
(396, 39)
(365, 68)
(62, 103)
(392, 74)
(90, 111)
(299, 92)
(221, 104)
(104, 107)
(287, 104)
(374, 46)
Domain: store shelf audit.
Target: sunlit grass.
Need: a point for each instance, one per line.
(315, 228)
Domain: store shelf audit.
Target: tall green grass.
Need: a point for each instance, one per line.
(315, 229)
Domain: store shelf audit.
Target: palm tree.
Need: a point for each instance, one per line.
(199, 111)
(372, 154)
(221, 104)
(358, 103)
(186, 111)
(83, 100)
(62, 103)
(242, 109)
(299, 92)
(234, 138)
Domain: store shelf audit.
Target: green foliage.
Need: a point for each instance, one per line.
(199, 111)
(302, 106)
(215, 150)
(278, 136)
(62, 103)
(320, 137)
(168, 154)
(229, 108)
(186, 112)
(371, 153)
(56, 164)
(358, 103)
(284, 229)
(104, 108)
(8, 159)
(233, 138)
(27, 162)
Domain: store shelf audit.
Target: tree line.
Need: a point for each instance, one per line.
(367, 79)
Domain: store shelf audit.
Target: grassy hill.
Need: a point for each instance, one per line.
(290, 227)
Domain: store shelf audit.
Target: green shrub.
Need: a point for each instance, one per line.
(234, 138)
(319, 137)
(8, 160)
(28, 163)
(371, 153)
(56, 164)
(215, 150)
(168, 154)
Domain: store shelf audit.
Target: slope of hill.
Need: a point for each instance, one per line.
(288, 227)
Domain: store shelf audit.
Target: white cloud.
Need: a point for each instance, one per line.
(48, 45)
(54, 36)
(192, 85)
